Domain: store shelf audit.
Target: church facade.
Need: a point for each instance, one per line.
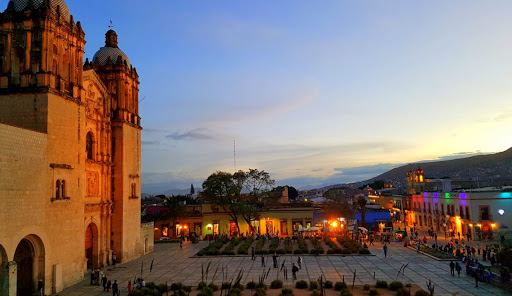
(70, 151)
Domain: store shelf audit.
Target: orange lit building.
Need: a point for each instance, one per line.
(70, 151)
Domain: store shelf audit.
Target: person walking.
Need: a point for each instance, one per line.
(92, 276)
(181, 243)
(109, 285)
(458, 268)
(129, 286)
(299, 261)
(452, 268)
(294, 271)
(385, 248)
(253, 252)
(104, 282)
(262, 260)
(274, 259)
(477, 278)
(115, 289)
(371, 241)
(114, 259)
(435, 237)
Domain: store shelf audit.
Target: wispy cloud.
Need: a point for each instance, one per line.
(503, 116)
(150, 142)
(195, 134)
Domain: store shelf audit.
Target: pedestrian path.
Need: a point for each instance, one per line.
(172, 264)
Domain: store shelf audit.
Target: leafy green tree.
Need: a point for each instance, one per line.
(337, 205)
(361, 206)
(376, 185)
(220, 189)
(292, 192)
(258, 183)
(175, 210)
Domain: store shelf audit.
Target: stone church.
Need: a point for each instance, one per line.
(70, 151)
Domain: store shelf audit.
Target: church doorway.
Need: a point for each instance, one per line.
(29, 258)
(91, 245)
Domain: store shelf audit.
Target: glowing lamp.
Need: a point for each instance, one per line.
(493, 224)
(181, 227)
(470, 225)
(501, 212)
(334, 224)
(185, 226)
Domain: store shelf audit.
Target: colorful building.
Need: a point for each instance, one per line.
(282, 219)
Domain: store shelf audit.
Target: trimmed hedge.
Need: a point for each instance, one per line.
(244, 247)
(301, 285)
(276, 284)
(338, 286)
(394, 286)
(381, 284)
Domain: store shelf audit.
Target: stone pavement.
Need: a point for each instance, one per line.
(172, 264)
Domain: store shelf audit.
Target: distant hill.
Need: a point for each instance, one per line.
(482, 167)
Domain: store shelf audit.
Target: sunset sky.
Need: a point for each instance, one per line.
(314, 92)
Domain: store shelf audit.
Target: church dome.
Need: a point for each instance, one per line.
(20, 5)
(110, 51)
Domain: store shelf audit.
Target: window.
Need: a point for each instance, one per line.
(65, 66)
(442, 209)
(461, 211)
(60, 189)
(134, 190)
(467, 213)
(485, 213)
(57, 189)
(89, 145)
(63, 188)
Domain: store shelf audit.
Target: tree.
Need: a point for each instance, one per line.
(175, 210)
(258, 183)
(376, 185)
(192, 191)
(292, 192)
(361, 205)
(221, 190)
(224, 189)
(337, 205)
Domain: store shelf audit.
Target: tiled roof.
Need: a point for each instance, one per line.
(113, 52)
(20, 5)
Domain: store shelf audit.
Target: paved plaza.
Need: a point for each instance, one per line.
(172, 264)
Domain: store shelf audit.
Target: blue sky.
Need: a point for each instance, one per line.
(313, 92)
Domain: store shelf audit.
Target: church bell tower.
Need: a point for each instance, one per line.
(122, 81)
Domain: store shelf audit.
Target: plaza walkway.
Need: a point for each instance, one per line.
(172, 264)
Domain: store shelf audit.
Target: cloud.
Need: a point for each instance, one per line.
(195, 134)
(455, 155)
(150, 142)
(503, 116)
(341, 175)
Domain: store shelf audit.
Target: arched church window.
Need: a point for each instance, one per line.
(63, 188)
(89, 146)
(54, 67)
(57, 189)
(65, 67)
